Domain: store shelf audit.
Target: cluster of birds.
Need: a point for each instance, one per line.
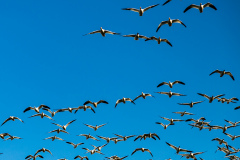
(169, 22)
(200, 123)
(189, 154)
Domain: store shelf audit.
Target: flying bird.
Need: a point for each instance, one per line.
(88, 136)
(170, 94)
(95, 127)
(33, 157)
(125, 137)
(183, 113)
(123, 100)
(159, 40)
(143, 150)
(95, 103)
(36, 109)
(58, 131)
(136, 36)
(102, 31)
(170, 84)
(74, 145)
(64, 127)
(210, 98)
(140, 11)
(92, 151)
(85, 107)
(43, 150)
(143, 95)
(172, 120)
(190, 104)
(231, 136)
(107, 138)
(51, 112)
(12, 138)
(200, 7)
(170, 22)
(178, 149)
(81, 158)
(54, 138)
(12, 118)
(164, 125)
(236, 108)
(191, 155)
(41, 115)
(222, 73)
(99, 148)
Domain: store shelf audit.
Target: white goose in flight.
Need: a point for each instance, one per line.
(143, 150)
(170, 94)
(190, 104)
(64, 127)
(140, 11)
(183, 113)
(74, 145)
(102, 31)
(123, 100)
(170, 84)
(143, 95)
(170, 22)
(95, 127)
(12, 118)
(231, 136)
(210, 98)
(136, 36)
(58, 131)
(43, 150)
(41, 115)
(88, 136)
(34, 157)
(54, 137)
(12, 138)
(95, 103)
(159, 40)
(222, 73)
(178, 149)
(81, 158)
(200, 7)
(36, 109)
(164, 125)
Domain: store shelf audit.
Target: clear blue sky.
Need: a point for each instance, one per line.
(46, 60)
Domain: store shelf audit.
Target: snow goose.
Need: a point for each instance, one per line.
(164, 125)
(92, 151)
(84, 107)
(43, 150)
(170, 84)
(170, 94)
(95, 127)
(12, 138)
(36, 109)
(140, 11)
(12, 118)
(102, 31)
(231, 136)
(183, 113)
(88, 136)
(58, 131)
(64, 127)
(178, 149)
(143, 150)
(190, 104)
(74, 145)
(200, 7)
(136, 36)
(170, 22)
(41, 115)
(81, 158)
(54, 138)
(210, 98)
(99, 148)
(95, 103)
(222, 73)
(159, 40)
(172, 120)
(123, 100)
(34, 157)
(125, 137)
(143, 95)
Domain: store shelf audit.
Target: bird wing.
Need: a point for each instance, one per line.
(48, 151)
(140, 136)
(162, 84)
(237, 108)
(166, 118)
(87, 102)
(57, 125)
(89, 126)
(137, 97)
(178, 21)
(131, 9)
(27, 109)
(148, 151)
(71, 143)
(204, 95)
(178, 94)
(145, 9)
(6, 121)
(230, 74)
(59, 138)
(229, 135)
(102, 125)
(198, 153)
(162, 23)
(143, 37)
(198, 102)
(130, 35)
(184, 103)
(98, 31)
(209, 5)
(156, 135)
(165, 40)
(216, 71)
(70, 122)
(129, 99)
(191, 6)
(177, 120)
(167, 2)
(151, 38)
(118, 101)
(219, 96)
(180, 82)
(110, 32)
(137, 149)
(178, 112)
(102, 101)
(43, 106)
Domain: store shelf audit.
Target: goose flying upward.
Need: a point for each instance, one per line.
(159, 40)
(140, 11)
(170, 22)
(200, 7)
(222, 73)
(64, 127)
(102, 31)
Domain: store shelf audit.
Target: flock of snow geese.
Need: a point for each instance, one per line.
(198, 123)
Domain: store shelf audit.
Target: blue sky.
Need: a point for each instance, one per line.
(46, 60)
